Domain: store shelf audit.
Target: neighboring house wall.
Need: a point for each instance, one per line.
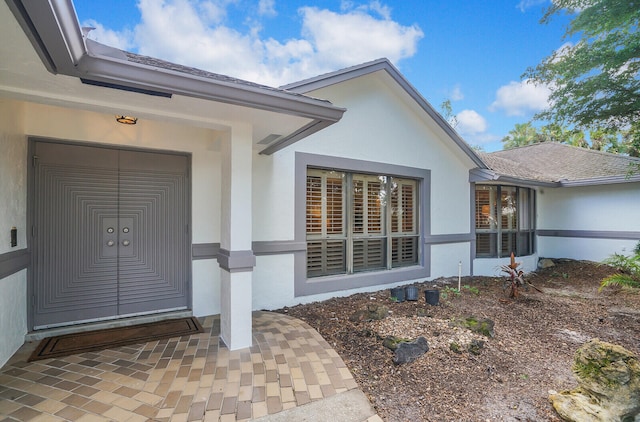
(382, 127)
(13, 190)
(590, 222)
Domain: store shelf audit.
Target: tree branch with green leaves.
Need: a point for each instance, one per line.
(595, 82)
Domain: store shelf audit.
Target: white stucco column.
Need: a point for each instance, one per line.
(236, 258)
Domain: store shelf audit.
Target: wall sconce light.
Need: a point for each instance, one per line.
(126, 120)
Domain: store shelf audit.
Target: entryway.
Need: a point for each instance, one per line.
(110, 233)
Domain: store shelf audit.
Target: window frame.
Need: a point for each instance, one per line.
(324, 284)
(525, 221)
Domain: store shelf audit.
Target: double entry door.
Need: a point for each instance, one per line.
(110, 233)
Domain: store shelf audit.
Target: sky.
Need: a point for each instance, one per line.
(470, 52)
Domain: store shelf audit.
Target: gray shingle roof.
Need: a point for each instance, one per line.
(555, 162)
(163, 64)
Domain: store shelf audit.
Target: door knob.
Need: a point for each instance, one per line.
(111, 243)
(125, 243)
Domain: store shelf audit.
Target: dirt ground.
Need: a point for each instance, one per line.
(531, 352)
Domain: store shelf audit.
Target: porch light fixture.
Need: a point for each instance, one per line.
(126, 120)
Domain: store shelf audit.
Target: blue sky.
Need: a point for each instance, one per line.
(471, 52)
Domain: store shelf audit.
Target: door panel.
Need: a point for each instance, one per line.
(111, 233)
(75, 277)
(154, 210)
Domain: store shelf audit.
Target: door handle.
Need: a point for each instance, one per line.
(125, 243)
(111, 243)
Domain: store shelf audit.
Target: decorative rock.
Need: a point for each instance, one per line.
(480, 326)
(608, 385)
(392, 342)
(372, 313)
(545, 263)
(475, 347)
(408, 352)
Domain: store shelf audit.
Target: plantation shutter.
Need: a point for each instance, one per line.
(369, 244)
(404, 224)
(360, 222)
(326, 237)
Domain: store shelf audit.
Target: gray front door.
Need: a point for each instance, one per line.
(110, 235)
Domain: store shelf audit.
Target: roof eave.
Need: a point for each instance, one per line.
(610, 180)
(52, 27)
(478, 175)
(333, 78)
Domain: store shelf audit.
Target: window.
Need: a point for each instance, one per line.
(360, 222)
(504, 221)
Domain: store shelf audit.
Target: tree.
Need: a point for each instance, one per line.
(447, 113)
(595, 82)
(522, 134)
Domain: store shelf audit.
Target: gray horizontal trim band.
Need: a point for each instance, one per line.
(12, 262)
(212, 250)
(590, 234)
(439, 239)
(236, 261)
(278, 247)
(205, 251)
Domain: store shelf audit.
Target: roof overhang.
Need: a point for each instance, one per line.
(385, 65)
(490, 176)
(53, 30)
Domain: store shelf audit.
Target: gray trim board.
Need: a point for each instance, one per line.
(14, 261)
(384, 64)
(304, 286)
(590, 234)
(236, 261)
(205, 251)
(441, 239)
(485, 175)
(278, 247)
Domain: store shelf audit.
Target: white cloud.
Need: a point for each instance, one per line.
(521, 98)
(122, 40)
(456, 94)
(267, 8)
(355, 37)
(525, 4)
(470, 122)
(196, 33)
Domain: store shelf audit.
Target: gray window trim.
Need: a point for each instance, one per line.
(304, 286)
(532, 203)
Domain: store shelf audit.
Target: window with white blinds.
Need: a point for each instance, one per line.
(360, 222)
(504, 221)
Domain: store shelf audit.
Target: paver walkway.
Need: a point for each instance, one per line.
(191, 378)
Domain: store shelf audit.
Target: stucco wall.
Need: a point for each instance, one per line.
(605, 210)
(13, 191)
(381, 125)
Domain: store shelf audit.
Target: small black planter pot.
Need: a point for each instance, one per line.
(411, 293)
(398, 294)
(432, 297)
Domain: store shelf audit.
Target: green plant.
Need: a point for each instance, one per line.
(446, 291)
(472, 289)
(628, 268)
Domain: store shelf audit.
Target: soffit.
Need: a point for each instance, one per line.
(23, 76)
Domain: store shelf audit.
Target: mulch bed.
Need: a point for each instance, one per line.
(531, 352)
